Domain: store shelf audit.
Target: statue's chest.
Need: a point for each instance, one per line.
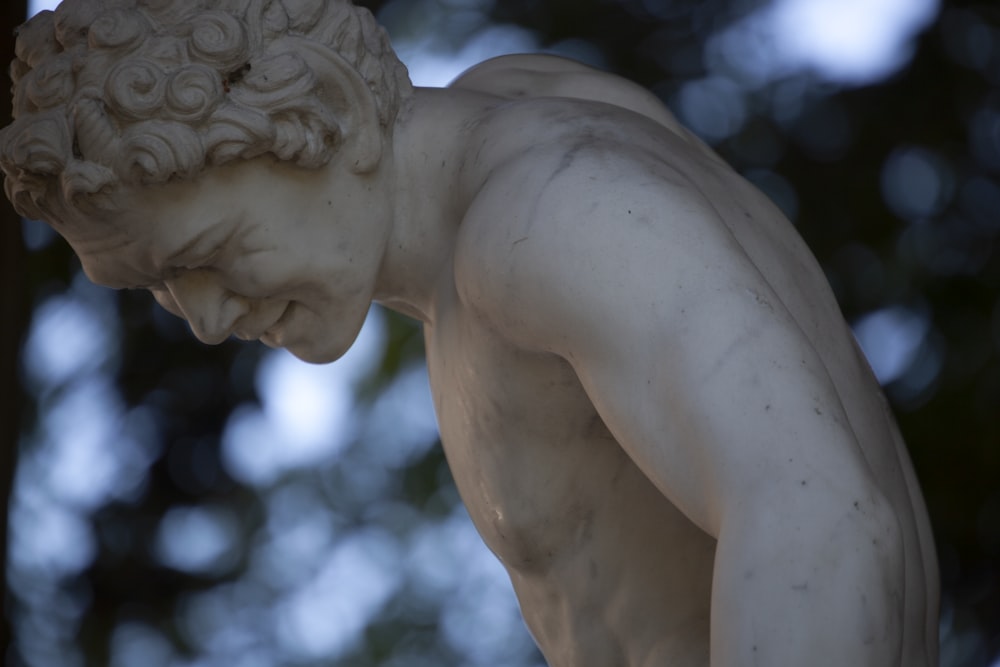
(531, 458)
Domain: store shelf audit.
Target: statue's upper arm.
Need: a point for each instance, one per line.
(683, 347)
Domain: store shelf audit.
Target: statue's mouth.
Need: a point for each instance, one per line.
(269, 332)
(273, 334)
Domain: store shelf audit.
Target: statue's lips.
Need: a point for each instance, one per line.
(272, 331)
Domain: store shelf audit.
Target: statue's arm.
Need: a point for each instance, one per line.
(712, 389)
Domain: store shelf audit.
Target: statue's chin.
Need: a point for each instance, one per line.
(312, 357)
(309, 351)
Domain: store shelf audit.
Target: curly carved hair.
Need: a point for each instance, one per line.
(136, 92)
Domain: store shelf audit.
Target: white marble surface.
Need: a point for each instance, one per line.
(652, 407)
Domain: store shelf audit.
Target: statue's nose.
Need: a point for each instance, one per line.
(210, 309)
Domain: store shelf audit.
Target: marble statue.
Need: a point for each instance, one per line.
(652, 406)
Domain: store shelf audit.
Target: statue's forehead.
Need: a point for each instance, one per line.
(152, 226)
(151, 222)
(127, 215)
(116, 238)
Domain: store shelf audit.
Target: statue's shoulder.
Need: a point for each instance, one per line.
(525, 76)
(562, 215)
(533, 76)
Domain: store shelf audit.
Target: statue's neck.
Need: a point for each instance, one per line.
(431, 192)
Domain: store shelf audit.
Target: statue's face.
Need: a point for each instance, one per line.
(258, 249)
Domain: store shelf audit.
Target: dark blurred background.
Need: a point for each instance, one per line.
(178, 505)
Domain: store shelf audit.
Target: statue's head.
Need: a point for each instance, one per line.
(113, 94)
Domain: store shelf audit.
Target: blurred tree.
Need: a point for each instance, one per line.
(13, 315)
(895, 185)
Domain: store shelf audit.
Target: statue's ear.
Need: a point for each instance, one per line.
(346, 92)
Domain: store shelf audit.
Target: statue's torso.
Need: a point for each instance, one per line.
(607, 570)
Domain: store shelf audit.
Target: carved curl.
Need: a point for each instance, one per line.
(44, 143)
(112, 93)
(303, 14)
(193, 93)
(238, 133)
(36, 40)
(34, 154)
(118, 29)
(51, 84)
(156, 150)
(221, 39)
(136, 89)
